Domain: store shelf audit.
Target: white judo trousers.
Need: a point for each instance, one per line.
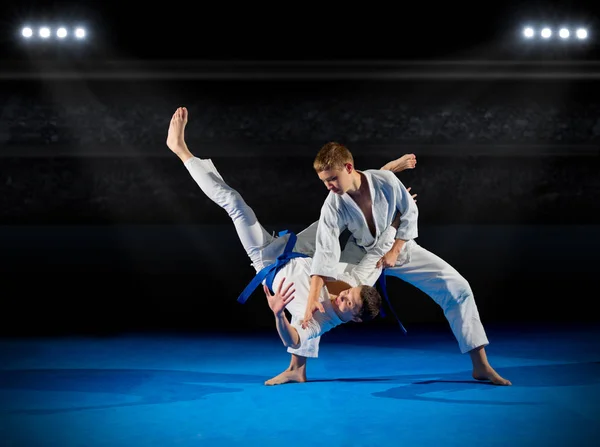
(448, 288)
(433, 276)
(262, 247)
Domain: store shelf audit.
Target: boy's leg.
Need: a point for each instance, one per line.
(306, 242)
(295, 373)
(452, 292)
(252, 235)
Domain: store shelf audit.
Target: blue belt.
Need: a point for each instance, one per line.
(270, 271)
(383, 288)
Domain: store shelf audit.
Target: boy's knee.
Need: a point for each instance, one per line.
(459, 289)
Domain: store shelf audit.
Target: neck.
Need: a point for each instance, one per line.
(358, 185)
(335, 307)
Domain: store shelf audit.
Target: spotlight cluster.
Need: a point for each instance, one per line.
(562, 33)
(57, 33)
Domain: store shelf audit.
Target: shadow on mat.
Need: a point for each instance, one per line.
(112, 388)
(358, 379)
(532, 376)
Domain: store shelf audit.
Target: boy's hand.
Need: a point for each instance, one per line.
(281, 299)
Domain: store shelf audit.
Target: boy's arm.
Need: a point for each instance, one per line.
(312, 304)
(407, 161)
(407, 230)
(368, 270)
(326, 257)
(288, 334)
(291, 336)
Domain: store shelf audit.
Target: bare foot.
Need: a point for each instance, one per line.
(175, 137)
(288, 376)
(407, 161)
(491, 375)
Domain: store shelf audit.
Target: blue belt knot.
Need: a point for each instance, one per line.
(268, 273)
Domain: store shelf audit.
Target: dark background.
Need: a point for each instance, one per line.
(102, 229)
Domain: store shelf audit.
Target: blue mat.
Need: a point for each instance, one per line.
(367, 388)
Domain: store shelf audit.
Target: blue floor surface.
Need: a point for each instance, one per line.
(367, 388)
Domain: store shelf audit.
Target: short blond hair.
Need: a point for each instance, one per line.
(332, 156)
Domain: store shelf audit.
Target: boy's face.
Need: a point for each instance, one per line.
(338, 181)
(349, 304)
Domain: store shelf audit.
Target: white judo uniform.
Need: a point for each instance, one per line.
(415, 265)
(264, 248)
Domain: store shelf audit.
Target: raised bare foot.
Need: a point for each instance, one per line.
(491, 375)
(175, 137)
(288, 376)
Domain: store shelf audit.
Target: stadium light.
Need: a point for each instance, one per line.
(44, 32)
(547, 32)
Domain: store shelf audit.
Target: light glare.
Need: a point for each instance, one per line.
(528, 32)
